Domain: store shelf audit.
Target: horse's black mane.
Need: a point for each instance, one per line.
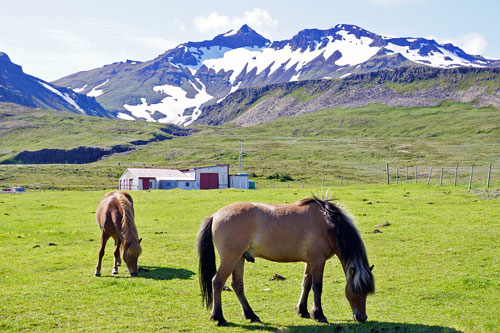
(352, 250)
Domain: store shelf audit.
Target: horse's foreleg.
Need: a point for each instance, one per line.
(317, 287)
(218, 283)
(104, 239)
(237, 284)
(117, 261)
(306, 288)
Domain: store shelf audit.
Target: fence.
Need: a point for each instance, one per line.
(468, 176)
(443, 175)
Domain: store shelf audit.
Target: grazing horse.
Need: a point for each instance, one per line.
(115, 217)
(310, 230)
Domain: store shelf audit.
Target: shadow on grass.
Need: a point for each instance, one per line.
(372, 327)
(165, 273)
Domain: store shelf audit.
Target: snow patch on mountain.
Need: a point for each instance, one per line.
(172, 107)
(354, 51)
(442, 58)
(96, 92)
(124, 116)
(79, 90)
(64, 96)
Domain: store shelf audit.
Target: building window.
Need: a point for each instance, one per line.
(187, 184)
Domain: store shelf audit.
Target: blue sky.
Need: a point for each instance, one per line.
(55, 38)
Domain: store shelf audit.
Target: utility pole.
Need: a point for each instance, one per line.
(240, 157)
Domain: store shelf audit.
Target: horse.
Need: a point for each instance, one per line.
(115, 217)
(310, 230)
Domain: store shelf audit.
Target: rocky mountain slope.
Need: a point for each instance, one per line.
(410, 87)
(23, 89)
(173, 87)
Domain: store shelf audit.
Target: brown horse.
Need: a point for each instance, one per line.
(310, 230)
(115, 217)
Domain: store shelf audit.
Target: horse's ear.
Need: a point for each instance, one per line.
(140, 240)
(371, 267)
(351, 271)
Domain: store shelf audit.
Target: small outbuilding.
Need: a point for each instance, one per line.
(239, 180)
(204, 178)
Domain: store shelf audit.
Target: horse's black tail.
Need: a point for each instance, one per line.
(206, 266)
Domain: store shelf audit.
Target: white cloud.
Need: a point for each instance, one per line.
(472, 43)
(395, 3)
(68, 38)
(213, 22)
(258, 19)
(155, 43)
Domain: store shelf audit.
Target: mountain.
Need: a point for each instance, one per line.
(175, 86)
(23, 89)
(401, 87)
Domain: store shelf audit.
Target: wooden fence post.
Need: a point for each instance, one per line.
(416, 174)
(429, 178)
(387, 172)
(489, 177)
(406, 175)
(470, 178)
(397, 176)
(441, 177)
(456, 173)
(340, 181)
(302, 184)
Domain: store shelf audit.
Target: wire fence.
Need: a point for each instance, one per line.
(471, 177)
(468, 176)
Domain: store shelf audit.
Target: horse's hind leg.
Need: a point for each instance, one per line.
(306, 288)
(104, 239)
(218, 283)
(117, 261)
(237, 284)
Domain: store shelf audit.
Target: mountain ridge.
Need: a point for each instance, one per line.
(407, 87)
(173, 87)
(23, 89)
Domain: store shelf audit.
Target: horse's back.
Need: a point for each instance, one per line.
(109, 212)
(284, 232)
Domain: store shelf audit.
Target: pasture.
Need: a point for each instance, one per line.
(437, 266)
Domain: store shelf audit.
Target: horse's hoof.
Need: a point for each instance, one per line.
(322, 320)
(306, 315)
(255, 320)
(114, 272)
(97, 274)
(119, 264)
(222, 323)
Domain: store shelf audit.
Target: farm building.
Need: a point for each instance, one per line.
(204, 178)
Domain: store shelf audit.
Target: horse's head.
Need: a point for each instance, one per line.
(131, 252)
(356, 291)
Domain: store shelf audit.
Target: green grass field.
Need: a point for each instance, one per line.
(355, 143)
(436, 264)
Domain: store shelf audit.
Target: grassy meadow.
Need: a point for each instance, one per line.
(353, 143)
(436, 263)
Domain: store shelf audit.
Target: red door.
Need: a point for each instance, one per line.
(145, 183)
(209, 181)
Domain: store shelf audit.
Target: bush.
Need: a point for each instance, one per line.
(281, 177)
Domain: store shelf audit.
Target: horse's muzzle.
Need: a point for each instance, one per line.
(360, 318)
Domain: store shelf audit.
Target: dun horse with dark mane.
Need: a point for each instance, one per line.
(115, 217)
(311, 230)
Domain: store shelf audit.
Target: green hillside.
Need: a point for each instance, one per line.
(23, 128)
(353, 143)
